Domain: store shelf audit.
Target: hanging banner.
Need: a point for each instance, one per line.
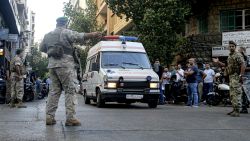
(241, 38)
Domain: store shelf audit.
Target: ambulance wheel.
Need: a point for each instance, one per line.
(99, 102)
(86, 99)
(152, 104)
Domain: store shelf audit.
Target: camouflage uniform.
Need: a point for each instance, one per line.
(234, 62)
(17, 85)
(63, 74)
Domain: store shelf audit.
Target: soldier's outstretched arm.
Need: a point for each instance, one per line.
(216, 60)
(92, 35)
(73, 36)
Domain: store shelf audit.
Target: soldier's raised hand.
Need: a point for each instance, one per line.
(215, 60)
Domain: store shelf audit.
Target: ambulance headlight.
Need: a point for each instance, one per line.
(154, 85)
(111, 85)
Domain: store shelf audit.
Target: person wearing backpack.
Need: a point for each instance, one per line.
(58, 44)
(17, 86)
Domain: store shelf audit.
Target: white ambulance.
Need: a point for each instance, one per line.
(120, 71)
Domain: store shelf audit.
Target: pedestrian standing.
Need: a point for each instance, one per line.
(235, 69)
(8, 85)
(244, 110)
(208, 81)
(17, 86)
(48, 83)
(58, 44)
(165, 81)
(200, 77)
(192, 83)
(179, 73)
(158, 68)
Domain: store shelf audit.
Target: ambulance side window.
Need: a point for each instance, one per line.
(98, 59)
(92, 60)
(87, 66)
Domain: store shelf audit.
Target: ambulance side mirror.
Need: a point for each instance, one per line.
(95, 67)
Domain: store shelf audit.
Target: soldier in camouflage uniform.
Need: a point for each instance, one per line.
(235, 70)
(58, 44)
(17, 86)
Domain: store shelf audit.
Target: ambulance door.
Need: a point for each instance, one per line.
(96, 80)
(90, 74)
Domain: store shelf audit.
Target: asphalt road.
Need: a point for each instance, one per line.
(119, 122)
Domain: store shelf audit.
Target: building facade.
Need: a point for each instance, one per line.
(111, 23)
(13, 29)
(214, 23)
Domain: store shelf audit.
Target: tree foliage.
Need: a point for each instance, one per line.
(37, 61)
(158, 24)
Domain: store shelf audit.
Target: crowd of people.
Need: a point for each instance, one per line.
(198, 79)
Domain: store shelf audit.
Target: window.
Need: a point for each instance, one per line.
(234, 20)
(129, 60)
(203, 24)
(92, 60)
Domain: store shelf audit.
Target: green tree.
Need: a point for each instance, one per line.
(83, 20)
(37, 61)
(158, 24)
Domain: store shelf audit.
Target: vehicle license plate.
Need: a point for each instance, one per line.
(130, 96)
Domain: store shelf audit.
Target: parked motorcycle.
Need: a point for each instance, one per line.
(220, 93)
(178, 92)
(29, 93)
(2, 91)
(44, 91)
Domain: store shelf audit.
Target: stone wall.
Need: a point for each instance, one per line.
(200, 45)
(214, 15)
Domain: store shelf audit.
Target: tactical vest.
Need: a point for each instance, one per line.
(55, 45)
(234, 64)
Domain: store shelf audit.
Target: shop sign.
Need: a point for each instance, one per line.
(13, 37)
(4, 34)
(241, 38)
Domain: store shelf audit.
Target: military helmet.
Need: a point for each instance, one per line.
(62, 20)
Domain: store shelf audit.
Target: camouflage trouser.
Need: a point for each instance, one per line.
(235, 90)
(8, 91)
(62, 79)
(17, 90)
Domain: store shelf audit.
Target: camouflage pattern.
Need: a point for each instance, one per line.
(235, 90)
(8, 90)
(68, 37)
(62, 78)
(17, 85)
(234, 63)
(63, 74)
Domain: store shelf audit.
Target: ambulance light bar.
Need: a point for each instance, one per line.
(121, 38)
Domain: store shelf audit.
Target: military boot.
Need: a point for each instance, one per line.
(20, 104)
(230, 112)
(236, 113)
(72, 122)
(50, 120)
(12, 103)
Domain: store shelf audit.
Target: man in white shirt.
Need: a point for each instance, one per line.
(208, 81)
(179, 73)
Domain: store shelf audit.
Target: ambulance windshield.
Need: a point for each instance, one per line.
(128, 60)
